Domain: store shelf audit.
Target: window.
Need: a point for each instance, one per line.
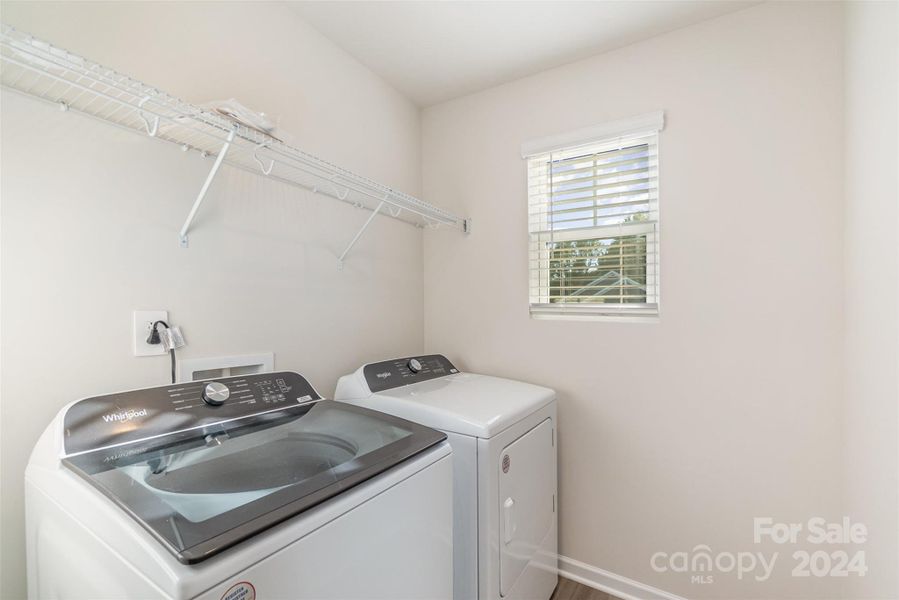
(594, 221)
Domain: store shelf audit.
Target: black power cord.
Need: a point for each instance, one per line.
(154, 339)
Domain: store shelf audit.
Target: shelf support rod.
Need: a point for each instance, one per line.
(182, 235)
(359, 233)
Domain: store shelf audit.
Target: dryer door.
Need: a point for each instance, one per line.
(527, 474)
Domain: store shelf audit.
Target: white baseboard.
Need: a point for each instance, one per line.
(611, 583)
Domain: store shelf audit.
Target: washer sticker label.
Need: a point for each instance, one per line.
(240, 591)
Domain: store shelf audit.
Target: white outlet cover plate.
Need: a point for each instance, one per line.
(143, 320)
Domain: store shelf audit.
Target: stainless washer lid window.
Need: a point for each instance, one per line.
(204, 489)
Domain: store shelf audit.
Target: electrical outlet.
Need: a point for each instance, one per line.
(143, 321)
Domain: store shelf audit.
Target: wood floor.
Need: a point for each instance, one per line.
(570, 590)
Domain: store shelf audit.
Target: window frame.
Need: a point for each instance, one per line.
(647, 126)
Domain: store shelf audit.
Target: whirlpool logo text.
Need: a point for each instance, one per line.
(125, 415)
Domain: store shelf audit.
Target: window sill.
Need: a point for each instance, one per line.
(642, 314)
(599, 318)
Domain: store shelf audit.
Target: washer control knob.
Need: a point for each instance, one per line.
(215, 393)
(414, 365)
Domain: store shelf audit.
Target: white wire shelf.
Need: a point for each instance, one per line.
(41, 70)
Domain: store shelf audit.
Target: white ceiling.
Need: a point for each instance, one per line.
(434, 51)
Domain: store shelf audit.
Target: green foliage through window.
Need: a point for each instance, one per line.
(598, 270)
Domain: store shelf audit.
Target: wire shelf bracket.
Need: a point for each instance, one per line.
(182, 235)
(72, 83)
(359, 233)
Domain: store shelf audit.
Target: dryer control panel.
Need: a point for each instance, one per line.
(125, 417)
(398, 372)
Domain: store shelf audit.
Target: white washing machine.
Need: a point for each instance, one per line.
(235, 489)
(504, 460)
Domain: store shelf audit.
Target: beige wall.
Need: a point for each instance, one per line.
(870, 413)
(676, 433)
(90, 217)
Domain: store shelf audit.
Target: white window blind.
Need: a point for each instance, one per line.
(593, 213)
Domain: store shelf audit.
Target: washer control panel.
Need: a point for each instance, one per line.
(398, 372)
(129, 416)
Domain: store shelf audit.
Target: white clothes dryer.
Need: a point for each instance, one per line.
(503, 434)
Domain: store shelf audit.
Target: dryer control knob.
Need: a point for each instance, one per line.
(414, 365)
(215, 393)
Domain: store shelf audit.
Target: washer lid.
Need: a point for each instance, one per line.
(466, 403)
(214, 478)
